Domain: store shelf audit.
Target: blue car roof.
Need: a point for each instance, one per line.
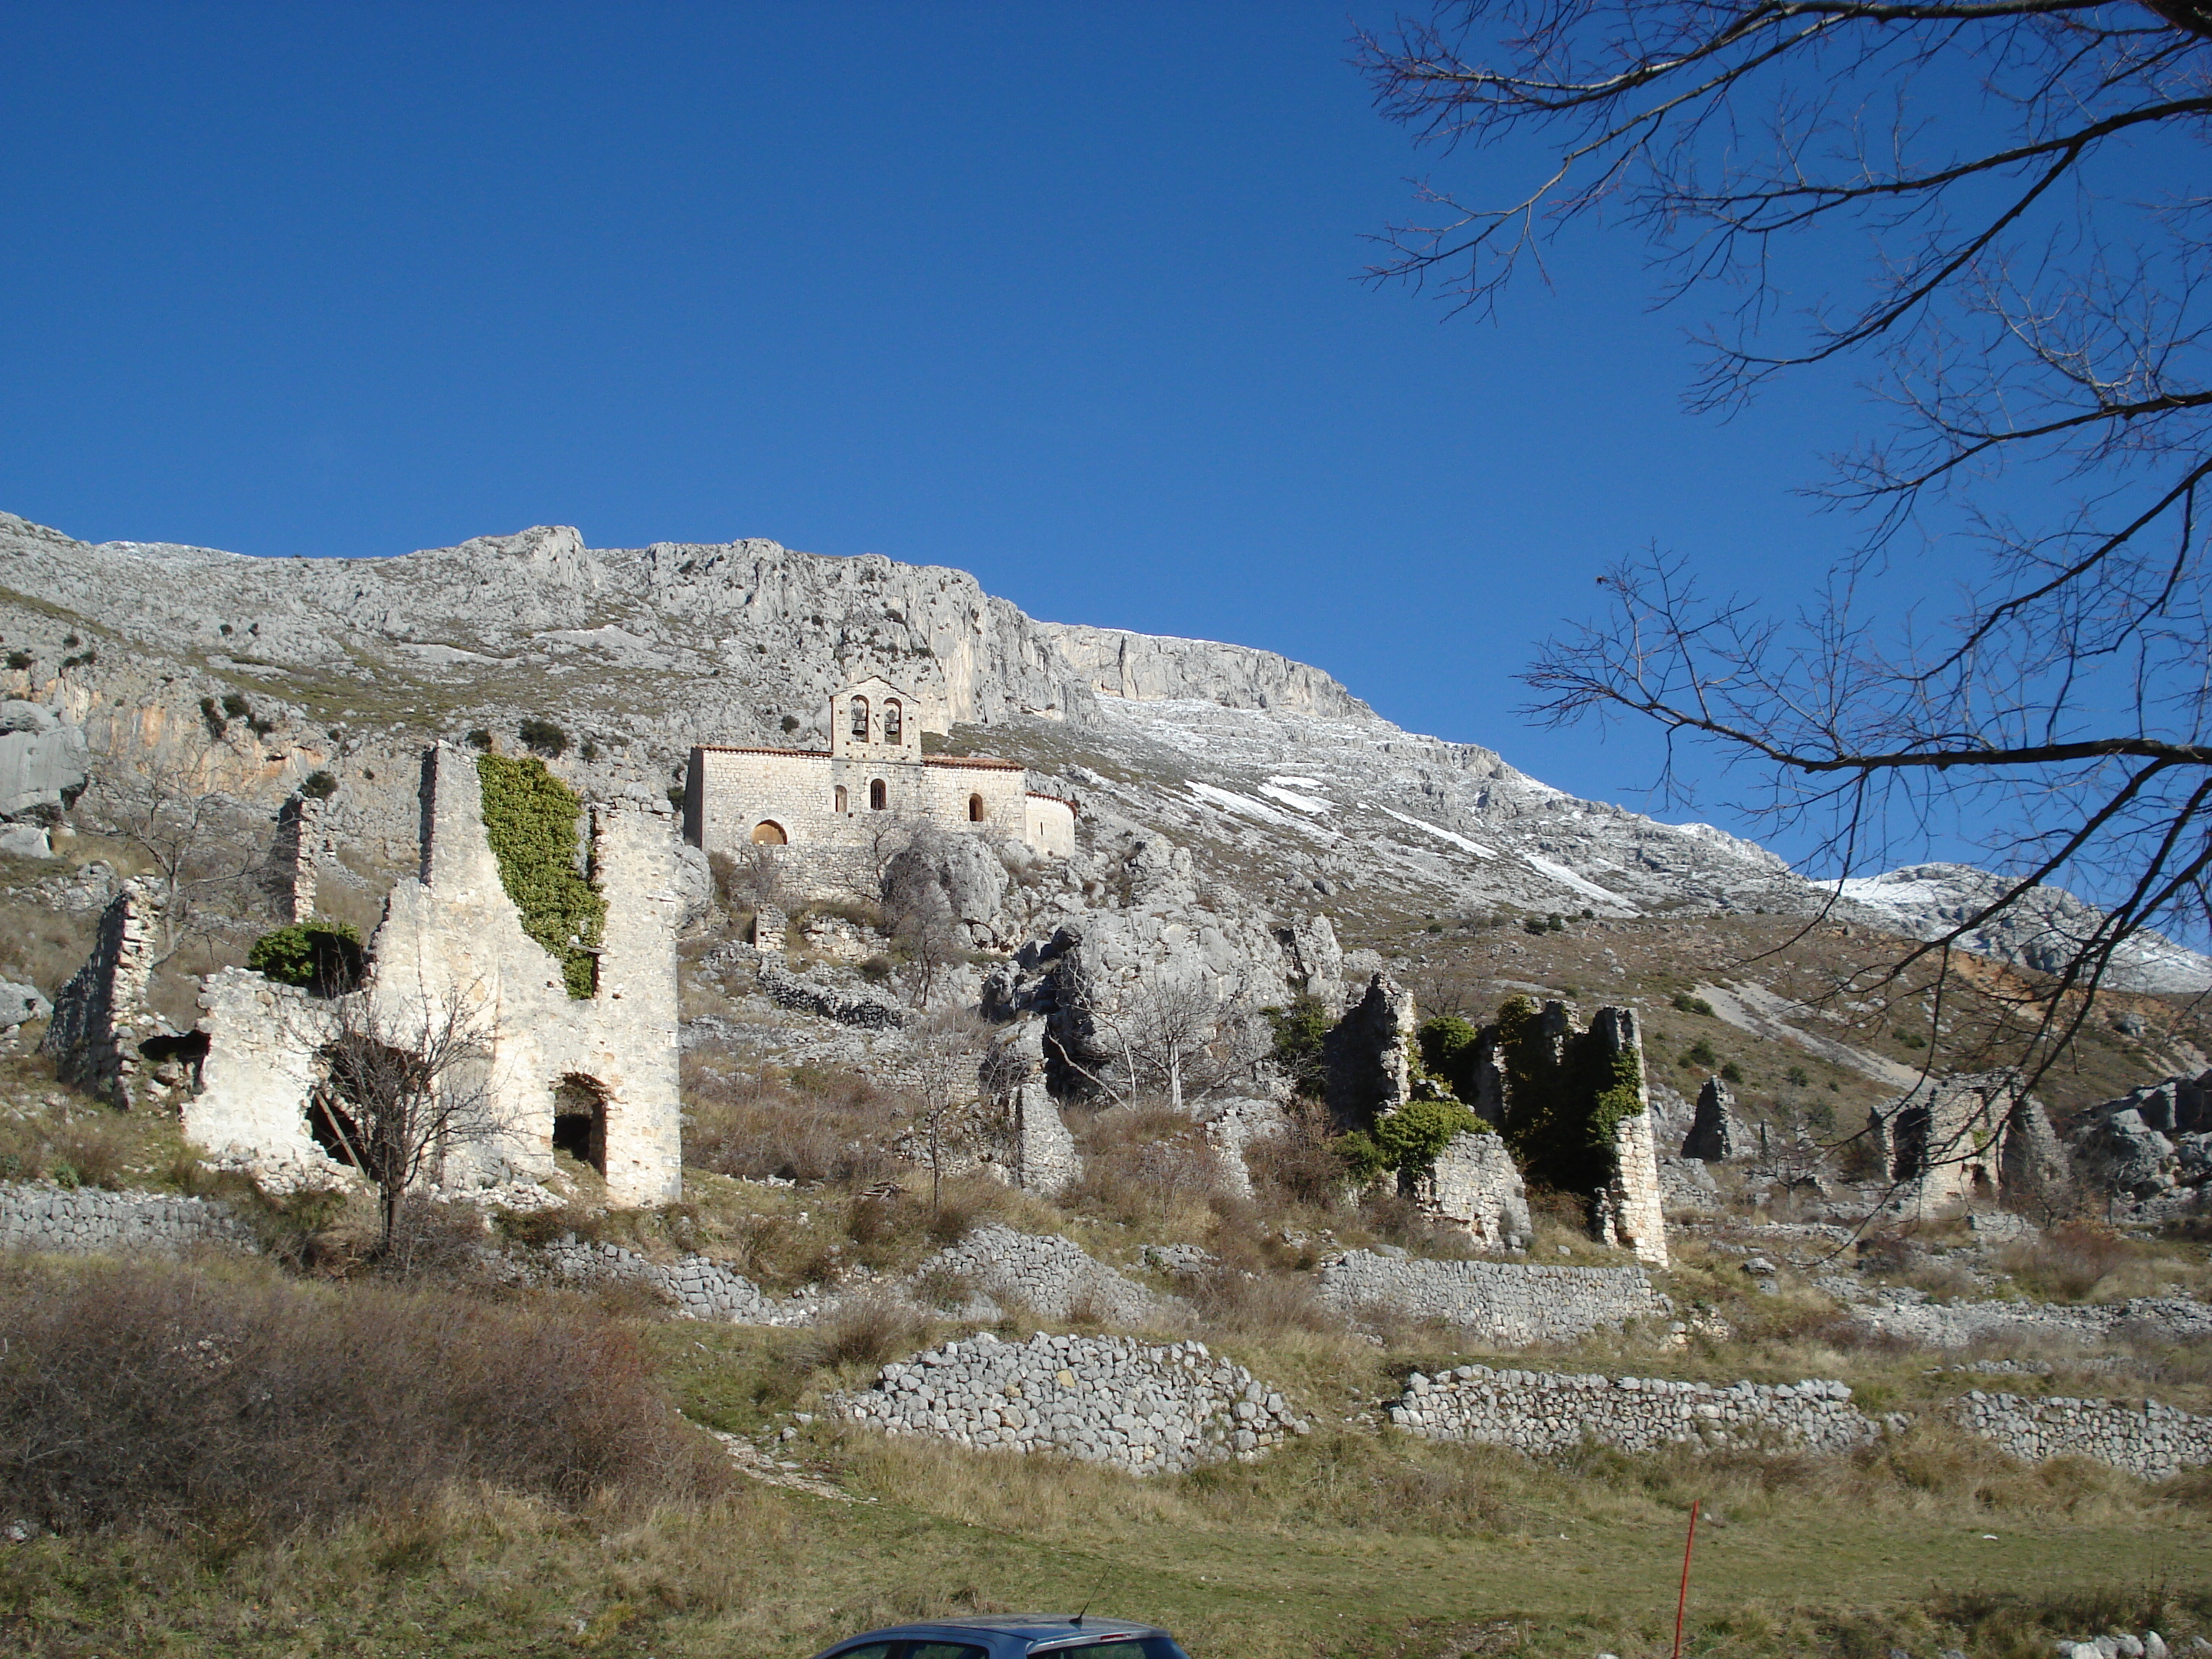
(1033, 1630)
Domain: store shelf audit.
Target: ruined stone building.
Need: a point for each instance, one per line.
(595, 1074)
(1955, 1142)
(835, 802)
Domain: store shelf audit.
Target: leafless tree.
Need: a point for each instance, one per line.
(1172, 1032)
(206, 850)
(948, 1048)
(402, 1090)
(2034, 317)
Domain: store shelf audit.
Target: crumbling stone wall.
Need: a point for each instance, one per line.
(1505, 1303)
(1716, 1134)
(452, 937)
(1474, 1186)
(1106, 1400)
(1369, 1055)
(100, 1017)
(1958, 1140)
(1542, 1412)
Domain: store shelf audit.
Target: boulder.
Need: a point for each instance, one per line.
(20, 1002)
(959, 876)
(25, 841)
(39, 769)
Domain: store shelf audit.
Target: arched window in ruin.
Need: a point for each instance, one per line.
(579, 1119)
(975, 813)
(840, 796)
(876, 793)
(894, 720)
(769, 832)
(860, 719)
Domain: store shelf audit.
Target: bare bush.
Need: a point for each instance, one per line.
(865, 1331)
(163, 1396)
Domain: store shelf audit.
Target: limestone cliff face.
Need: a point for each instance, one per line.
(755, 631)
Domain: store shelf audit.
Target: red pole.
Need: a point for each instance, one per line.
(1683, 1600)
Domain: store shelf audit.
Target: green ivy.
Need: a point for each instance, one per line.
(1407, 1139)
(1300, 1030)
(1449, 1044)
(1564, 1105)
(529, 819)
(319, 954)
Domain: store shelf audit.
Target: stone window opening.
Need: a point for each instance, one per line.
(860, 719)
(333, 1128)
(894, 720)
(579, 1119)
(977, 812)
(769, 832)
(186, 1054)
(839, 797)
(876, 795)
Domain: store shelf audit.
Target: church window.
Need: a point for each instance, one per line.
(841, 807)
(770, 833)
(876, 793)
(975, 808)
(860, 719)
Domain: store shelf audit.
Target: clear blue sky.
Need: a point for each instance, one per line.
(1060, 294)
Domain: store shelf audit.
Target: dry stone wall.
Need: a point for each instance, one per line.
(1050, 1276)
(698, 1286)
(2150, 1441)
(84, 1221)
(1539, 1411)
(1507, 1303)
(1107, 1400)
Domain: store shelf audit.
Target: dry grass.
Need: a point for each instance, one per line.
(172, 1395)
(812, 1126)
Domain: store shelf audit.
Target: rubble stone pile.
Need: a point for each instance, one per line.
(1539, 1411)
(1107, 1400)
(2151, 1441)
(36, 1215)
(1511, 1303)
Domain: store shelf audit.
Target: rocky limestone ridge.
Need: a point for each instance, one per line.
(1284, 786)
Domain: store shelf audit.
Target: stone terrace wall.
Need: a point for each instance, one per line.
(1106, 1400)
(1503, 1302)
(1960, 1324)
(1547, 1411)
(2151, 1441)
(1050, 1275)
(698, 1286)
(84, 1221)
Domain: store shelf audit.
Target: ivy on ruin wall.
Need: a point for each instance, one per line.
(1564, 1100)
(529, 819)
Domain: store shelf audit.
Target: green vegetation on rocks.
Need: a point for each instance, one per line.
(319, 954)
(529, 819)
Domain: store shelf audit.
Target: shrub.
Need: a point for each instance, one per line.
(1797, 1078)
(1731, 1073)
(1300, 1030)
(790, 723)
(320, 955)
(480, 740)
(19, 659)
(589, 751)
(529, 819)
(1822, 1117)
(1701, 1053)
(1448, 1050)
(319, 786)
(235, 705)
(1555, 923)
(157, 1395)
(542, 737)
(82, 660)
(1410, 1137)
(212, 715)
(1684, 1003)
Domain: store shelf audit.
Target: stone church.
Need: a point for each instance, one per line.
(873, 776)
